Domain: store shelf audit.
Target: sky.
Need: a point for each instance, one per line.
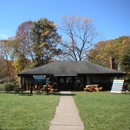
(111, 17)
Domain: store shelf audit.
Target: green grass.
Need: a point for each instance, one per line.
(104, 110)
(26, 112)
(98, 110)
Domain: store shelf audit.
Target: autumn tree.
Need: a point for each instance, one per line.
(23, 40)
(19, 64)
(20, 45)
(79, 36)
(117, 48)
(2, 59)
(45, 40)
(102, 52)
(125, 57)
(6, 69)
(125, 63)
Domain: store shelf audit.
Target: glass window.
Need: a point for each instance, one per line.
(104, 79)
(95, 79)
(61, 80)
(79, 80)
(68, 80)
(112, 78)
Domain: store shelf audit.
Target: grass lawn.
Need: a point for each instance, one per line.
(26, 112)
(104, 110)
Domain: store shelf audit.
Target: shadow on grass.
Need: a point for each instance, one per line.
(67, 94)
(61, 94)
(9, 92)
(55, 93)
(12, 92)
(34, 93)
(25, 94)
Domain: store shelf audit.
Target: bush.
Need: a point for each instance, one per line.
(128, 87)
(8, 86)
(1, 87)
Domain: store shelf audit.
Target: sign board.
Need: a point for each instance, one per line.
(65, 74)
(117, 86)
(47, 81)
(39, 77)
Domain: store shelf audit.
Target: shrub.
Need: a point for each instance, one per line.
(1, 87)
(9, 86)
(128, 87)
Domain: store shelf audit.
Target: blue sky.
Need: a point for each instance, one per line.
(112, 17)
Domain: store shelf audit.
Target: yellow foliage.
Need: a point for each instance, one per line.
(47, 32)
(42, 44)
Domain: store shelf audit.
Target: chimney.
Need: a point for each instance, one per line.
(112, 62)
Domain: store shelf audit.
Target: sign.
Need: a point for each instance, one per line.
(47, 81)
(117, 86)
(65, 74)
(39, 77)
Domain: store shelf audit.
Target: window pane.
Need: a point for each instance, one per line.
(68, 80)
(61, 80)
(79, 80)
(112, 78)
(95, 79)
(105, 79)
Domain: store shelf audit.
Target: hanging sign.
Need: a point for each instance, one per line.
(39, 77)
(117, 86)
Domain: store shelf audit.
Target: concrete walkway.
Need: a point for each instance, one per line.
(66, 116)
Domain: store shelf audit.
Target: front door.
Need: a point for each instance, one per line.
(65, 83)
(80, 83)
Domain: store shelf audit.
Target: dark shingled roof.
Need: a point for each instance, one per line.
(71, 67)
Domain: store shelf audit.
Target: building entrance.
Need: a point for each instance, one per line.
(70, 83)
(65, 83)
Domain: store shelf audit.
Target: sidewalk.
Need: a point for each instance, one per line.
(66, 116)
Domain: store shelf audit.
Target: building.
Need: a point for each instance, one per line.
(71, 75)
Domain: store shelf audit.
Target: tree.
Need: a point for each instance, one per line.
(45, 40)
(102, 52)
(117, 48)
(3, 70)
(20, 46)
(23, 40)
(21, 43)
(125, 60)
(6, 69)
(19, 64)
(80, 34)
(126, 63)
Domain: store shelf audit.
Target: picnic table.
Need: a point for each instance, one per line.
(93, 88)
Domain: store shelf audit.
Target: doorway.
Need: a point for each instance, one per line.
(66, 83)
(71, 83)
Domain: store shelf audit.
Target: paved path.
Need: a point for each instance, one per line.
(66, 116)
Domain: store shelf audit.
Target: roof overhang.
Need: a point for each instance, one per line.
(65, 75)
(71, 68)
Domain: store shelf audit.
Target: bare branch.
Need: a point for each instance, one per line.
(81, 33)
